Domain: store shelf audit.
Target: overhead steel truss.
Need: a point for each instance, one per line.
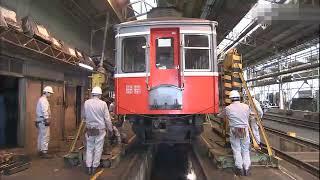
(12, 38)
(285, 69)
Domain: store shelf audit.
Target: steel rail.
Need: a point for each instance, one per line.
(306, 166)
(297, 140)
(280, 116)
(295, 122)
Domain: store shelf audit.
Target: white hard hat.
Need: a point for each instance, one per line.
(234, 94)
(48, 89)
(96, 90)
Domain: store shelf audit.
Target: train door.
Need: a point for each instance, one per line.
(165, 82)
(164, 57)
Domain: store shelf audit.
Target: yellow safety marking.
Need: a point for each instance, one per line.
(228, 85)
(226, 92)
(292, 134)
(235, 57)
(95, 176)
(227, 101)
(236, 84)
(227, 77)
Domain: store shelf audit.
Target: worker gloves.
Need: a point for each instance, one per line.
(46, 122)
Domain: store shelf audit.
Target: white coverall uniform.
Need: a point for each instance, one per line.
(254, 125)
(43, 112)
(96, 116)
(238, 115)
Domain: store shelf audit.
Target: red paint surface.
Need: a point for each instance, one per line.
(164, 76)
(200, 96)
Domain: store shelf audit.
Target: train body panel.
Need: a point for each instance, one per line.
(166, 77)
(200, 96)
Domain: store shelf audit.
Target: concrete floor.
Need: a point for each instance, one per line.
(54, 169)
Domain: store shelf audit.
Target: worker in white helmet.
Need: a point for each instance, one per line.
(97, 119)
(253, 121)
(43, 122)
(238, 116)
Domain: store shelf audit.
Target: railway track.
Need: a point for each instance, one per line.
(304, 142)
(292, 121)
(300, 152)
(176, 162)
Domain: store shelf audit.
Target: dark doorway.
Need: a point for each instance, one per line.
(78, 105)
(9, 110)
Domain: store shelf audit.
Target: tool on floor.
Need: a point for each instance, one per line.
(14, 163)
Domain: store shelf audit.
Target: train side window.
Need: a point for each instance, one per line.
(197, 52)
(164, 53)
(133, 59)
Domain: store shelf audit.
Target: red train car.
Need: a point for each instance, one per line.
(166, 77)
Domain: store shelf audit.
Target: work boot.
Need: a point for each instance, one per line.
(93, 170)
(247, 172)
(40, 153)
(88, 170)
(45, 155)
(238, 172)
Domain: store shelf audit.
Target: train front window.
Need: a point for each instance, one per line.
(164, 53)
(197, 52)
(133, 59)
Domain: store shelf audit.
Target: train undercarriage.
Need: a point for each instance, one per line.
(155, 129)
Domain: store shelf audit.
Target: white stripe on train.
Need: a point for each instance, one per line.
(185, 74)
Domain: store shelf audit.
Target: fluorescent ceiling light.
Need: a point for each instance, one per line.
(86, 66)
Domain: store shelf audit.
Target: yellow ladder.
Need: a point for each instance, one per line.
(265, 137)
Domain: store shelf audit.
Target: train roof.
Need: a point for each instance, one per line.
(166, 21)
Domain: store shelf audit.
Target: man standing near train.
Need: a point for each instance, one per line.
(238, 116)
(97, 119)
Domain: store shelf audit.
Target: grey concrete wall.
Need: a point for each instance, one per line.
(54, 16)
